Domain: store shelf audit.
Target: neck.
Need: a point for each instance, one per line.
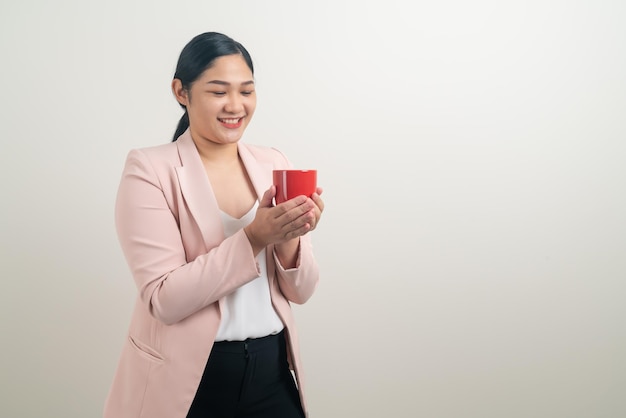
(217, 154)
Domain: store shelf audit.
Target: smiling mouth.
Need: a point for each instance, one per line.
(231, 122)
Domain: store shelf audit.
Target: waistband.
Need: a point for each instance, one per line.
(251, 344)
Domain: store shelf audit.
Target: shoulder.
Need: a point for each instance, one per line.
(159, 151)
(156, 154)
(152, 162)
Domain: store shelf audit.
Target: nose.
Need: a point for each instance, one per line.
(234, 104)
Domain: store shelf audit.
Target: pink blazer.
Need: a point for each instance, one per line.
(171, 234)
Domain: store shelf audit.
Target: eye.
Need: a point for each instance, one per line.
(218, 93)
(247, 92)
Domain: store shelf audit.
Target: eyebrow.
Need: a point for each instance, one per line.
(226, 83)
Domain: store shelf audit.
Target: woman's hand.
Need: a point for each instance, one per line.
(285, 222)
(319, 207)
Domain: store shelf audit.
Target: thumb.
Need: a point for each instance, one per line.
(266, 200)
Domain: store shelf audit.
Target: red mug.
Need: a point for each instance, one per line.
(292, 183)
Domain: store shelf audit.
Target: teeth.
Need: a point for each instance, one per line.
(230, 121)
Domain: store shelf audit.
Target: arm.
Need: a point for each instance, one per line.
(286, 226)
(171, 286)
(298, 284)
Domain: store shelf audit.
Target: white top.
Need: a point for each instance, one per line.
(248, 311)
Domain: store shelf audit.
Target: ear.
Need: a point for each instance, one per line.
(179, 92)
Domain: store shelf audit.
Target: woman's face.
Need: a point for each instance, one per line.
(221, 101)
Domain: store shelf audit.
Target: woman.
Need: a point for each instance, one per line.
(215, 262)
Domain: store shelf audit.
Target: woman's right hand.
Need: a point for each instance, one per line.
(280, 223)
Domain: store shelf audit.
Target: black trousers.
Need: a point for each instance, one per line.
(247, 379)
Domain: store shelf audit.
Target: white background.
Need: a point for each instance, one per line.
(473, 155)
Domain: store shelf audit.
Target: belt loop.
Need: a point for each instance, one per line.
(245, 349)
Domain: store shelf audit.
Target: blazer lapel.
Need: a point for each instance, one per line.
(197, 191)
(260, 173)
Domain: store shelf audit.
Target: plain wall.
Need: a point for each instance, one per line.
(473, 155)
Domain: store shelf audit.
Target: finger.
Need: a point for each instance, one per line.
(297, 231)
(318, 202)
(312, 218)
(293, 203)
(294, 208)
(266, 200)
(304, 220)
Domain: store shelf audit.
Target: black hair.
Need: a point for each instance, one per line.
(199, 55)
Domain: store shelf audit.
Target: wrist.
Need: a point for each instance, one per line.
(288, 252)
(255, 243)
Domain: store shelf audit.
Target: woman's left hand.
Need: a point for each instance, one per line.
(319, 207)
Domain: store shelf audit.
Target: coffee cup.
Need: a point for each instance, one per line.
(292, 183)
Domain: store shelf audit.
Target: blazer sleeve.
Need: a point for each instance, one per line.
(298, 284)
(148, 230)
